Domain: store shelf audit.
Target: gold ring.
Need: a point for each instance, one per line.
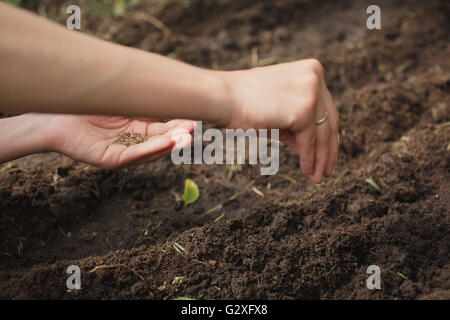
(325, 117)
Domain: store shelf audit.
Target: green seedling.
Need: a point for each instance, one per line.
(119, 8)
(373, 184)
(219, 217)
(234, 196)
(20, 248)
(145, 230)
(402, 275)
(290, 179)
(10, 167)
(178, 280)
(191, 192)
(188, 298)
(95, 191)
(178, 248)
(233, 169)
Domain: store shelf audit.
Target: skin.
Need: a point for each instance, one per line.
(59, 73)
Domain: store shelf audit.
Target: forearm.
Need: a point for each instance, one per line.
(23, 135)
(46, 68)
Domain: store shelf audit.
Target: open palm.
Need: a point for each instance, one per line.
(91, 138)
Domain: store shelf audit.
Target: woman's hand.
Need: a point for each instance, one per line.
(292, 97)
(90, 138)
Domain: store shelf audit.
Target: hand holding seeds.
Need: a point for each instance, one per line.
(105, 141)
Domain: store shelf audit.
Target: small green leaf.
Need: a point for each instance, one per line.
(119, 8)
(373, 184)
(191, 192)
(234, 196)
(178, 248)
(402, 275)
(219, 217)
(184, 298)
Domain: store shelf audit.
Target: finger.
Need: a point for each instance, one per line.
(151, 157)
(137, 126)
(161, 128)
(139, 151)
(321, 152)
(305, 146)
(182, 139)
(333, 146)
(146, 119)
(332, 153)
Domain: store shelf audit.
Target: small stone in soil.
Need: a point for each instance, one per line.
(130, 138)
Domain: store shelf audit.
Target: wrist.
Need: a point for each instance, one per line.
(24, 135)
(226, 99)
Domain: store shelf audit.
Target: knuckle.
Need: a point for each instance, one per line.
(316, 66)
(292, 120)
(311, 99)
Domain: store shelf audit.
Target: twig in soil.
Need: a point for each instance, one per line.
(443, 125)
(234, 196)
(258, 192)
(158, 24)
(142, 212)
(220, 206)
(110, 266)
(288, 178)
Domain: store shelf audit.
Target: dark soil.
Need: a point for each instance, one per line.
(299, 241)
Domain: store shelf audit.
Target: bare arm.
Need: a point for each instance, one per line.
(46, 68)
